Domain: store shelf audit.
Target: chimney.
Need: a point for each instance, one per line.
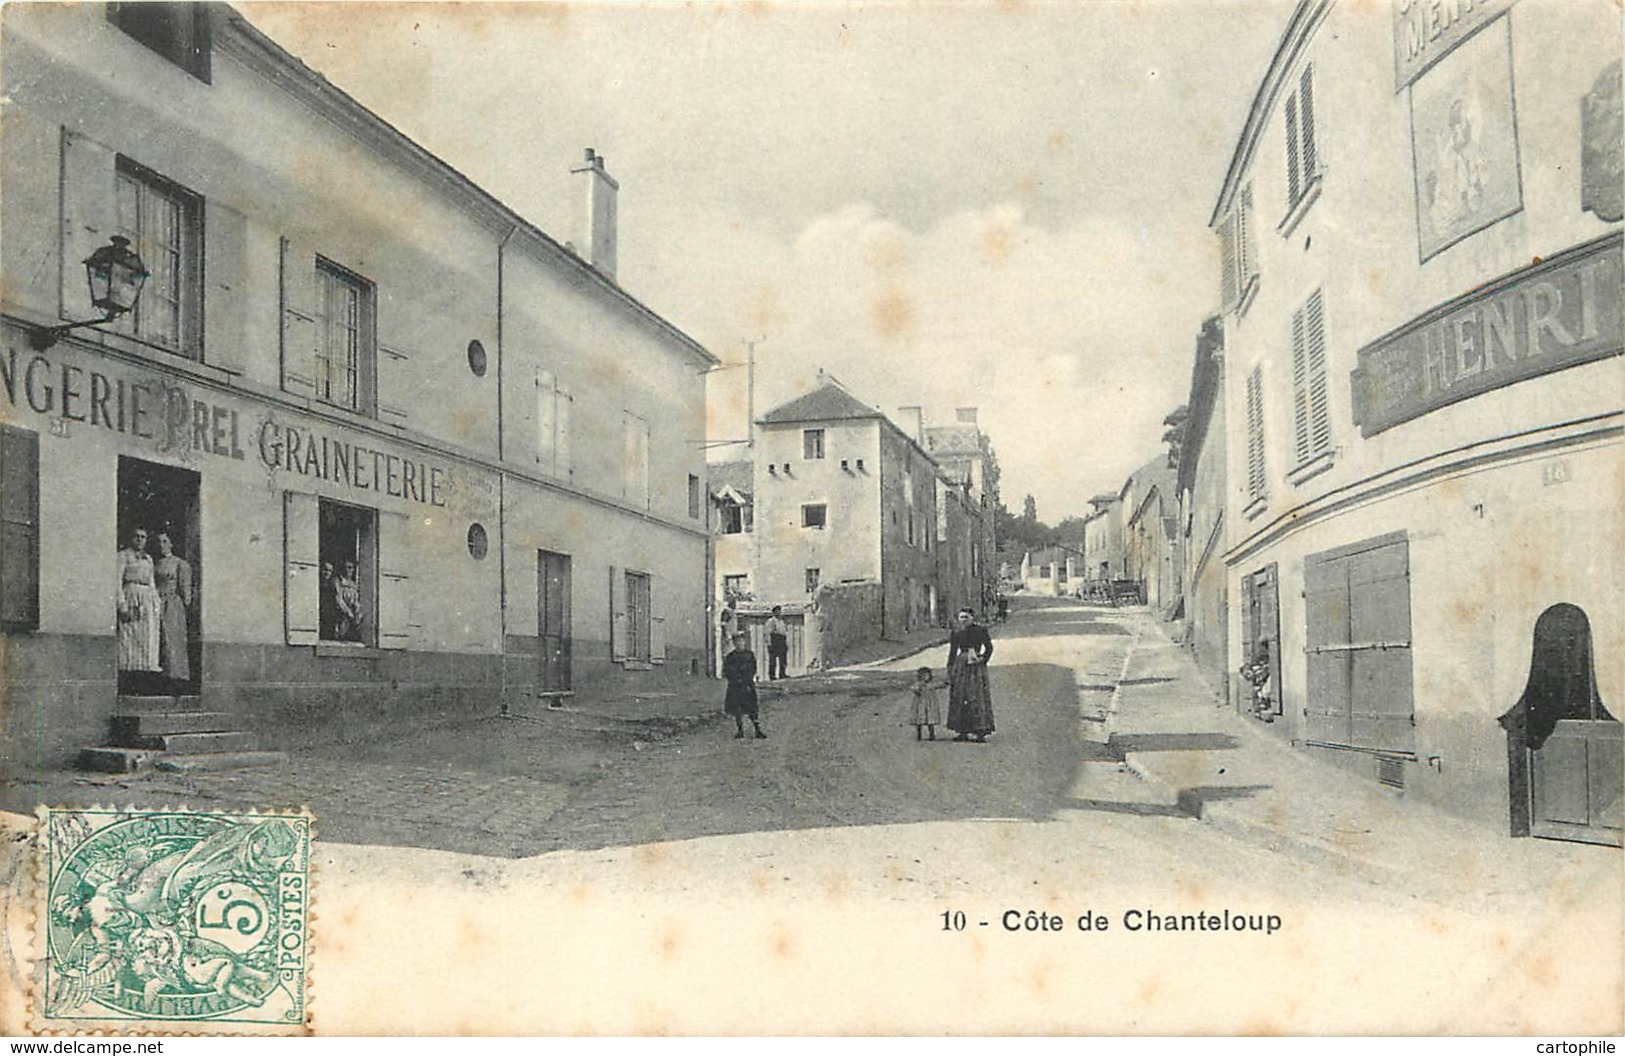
(599, 238)
(965, 415)
(913, 421)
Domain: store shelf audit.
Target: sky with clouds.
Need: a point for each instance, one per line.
(1000, 205)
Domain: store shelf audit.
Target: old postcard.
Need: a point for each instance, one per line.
(912, 518)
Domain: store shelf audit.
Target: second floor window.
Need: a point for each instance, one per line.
(178, 32)
(812, 443)
(344, 352)
(814, 516)
(164, 225)
(1302, 150)
(1238, 255)
(1312, 434)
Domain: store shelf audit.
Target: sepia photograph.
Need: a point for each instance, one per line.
(808, 518)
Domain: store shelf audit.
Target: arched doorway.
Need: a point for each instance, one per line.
(1565, 766)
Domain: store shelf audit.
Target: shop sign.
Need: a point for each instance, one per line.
(151, 409)
(296, 449)
(1556, 314)
(1425, 31)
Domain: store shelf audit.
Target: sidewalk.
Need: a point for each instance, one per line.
(1220, 767)
(889, 650)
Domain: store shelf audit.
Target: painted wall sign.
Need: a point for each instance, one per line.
(309, 453)
(147, 408)
(1559, 313)
(1425, 31)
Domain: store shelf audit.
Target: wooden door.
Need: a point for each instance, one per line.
(1575, 780)
(553, 621)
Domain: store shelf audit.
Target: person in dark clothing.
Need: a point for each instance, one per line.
(970, 703)
(778, 645)
(739, 668)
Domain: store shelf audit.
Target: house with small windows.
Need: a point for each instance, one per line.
(1420, 235)
(844, 495)
(1103, 538)
(1054, 571)
(418, 456)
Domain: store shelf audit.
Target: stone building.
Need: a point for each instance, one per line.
(1421, 286)
(419, 456)
(1200, 484)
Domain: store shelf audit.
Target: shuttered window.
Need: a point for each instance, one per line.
(1357, 636)
(554, 405)
(1255, 435)
(19, 529)
(345, 356)
(1238, 255)
(1312, 434)
(163, 222)
(1302, 146)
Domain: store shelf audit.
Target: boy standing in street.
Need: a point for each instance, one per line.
(778, 645)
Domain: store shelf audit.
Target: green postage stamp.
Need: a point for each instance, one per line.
(171, 922)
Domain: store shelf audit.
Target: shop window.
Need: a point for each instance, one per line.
(178, 32)
(19, 529)
(345, 352)
(815, 515)
(349, 588)
(1256, 492)
(693, 496)
(813, 578)
(554, 407)
(812, 443)
(1312, 436)
(163, 222)
(635, 460)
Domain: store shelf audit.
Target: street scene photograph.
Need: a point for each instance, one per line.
(906, 519)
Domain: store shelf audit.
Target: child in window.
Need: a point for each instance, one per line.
(927, 708)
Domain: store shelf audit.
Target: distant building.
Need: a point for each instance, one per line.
(1151, 535)
(968, 573)
(1103, 538)
(1053, 571)
(1201, 488)
(1420, 233)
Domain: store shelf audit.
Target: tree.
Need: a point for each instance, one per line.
(1029, 510)
(1174, 434)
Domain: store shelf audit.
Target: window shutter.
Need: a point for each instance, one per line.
(89, 216)
(657, 630)
(301, 584)
(563, 410)
(226, 287)
(298, 268)
(1255, 434)
(1292, 170)
(1306, 123)
(617, 614)
(1320, 423)
(19, 528)
(1246, 252)
(394, 580)
(1229, 284)
(1300, 389)
(546, 422)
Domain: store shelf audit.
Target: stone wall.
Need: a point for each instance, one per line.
(844, 615)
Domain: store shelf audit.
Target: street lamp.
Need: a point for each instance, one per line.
(115, 275)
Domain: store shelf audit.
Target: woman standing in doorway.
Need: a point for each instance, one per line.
(970, 703)
(173, 578)
(139, 607)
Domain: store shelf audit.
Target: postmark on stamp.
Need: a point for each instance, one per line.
(168, 921)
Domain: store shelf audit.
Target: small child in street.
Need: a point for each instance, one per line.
(739, 668)
(927, 709)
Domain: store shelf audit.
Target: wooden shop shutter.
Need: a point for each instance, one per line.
(394, 580)
(89, 216)
(1382, 714)
(19, 528)
(301, 583)
(1326, 639)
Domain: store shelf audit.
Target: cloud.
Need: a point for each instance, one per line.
(1073, 343)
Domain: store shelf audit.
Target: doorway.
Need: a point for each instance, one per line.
(553, 622)
(162, 504)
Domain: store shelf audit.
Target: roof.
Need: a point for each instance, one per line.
(242, 39)
(738, 476)
(1156, 475)
(827, 403)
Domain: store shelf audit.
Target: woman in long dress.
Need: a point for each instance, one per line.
(139, 607)
(970, 703)
(173, 578)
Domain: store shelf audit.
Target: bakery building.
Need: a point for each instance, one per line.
(389, 450)
(1422, 268)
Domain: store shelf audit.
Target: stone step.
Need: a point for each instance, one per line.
(137, 704)
(189, 742)
(111, 760)
(153, 723)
